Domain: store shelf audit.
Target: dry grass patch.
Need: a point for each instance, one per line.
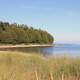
(25, 66)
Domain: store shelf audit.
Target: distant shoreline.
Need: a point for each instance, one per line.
(23, 45)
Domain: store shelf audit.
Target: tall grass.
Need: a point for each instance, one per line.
(22, 66)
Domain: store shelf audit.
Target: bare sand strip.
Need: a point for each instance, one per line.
(23, 45)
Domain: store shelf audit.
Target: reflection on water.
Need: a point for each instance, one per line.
(40, 50)
(65, 49)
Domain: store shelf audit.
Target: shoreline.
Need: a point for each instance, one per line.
(23, 45)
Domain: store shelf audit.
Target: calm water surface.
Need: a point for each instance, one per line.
(59, 50)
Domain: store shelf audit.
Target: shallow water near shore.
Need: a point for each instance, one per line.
(57, 50)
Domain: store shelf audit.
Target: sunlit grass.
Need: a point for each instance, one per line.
(25, 66)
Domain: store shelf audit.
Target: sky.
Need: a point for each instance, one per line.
(61, 18)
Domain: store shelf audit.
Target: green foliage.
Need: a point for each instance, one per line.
(17, 34)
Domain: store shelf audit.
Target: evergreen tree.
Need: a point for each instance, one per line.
(18, 34)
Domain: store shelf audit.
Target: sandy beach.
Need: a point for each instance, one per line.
(23, 45)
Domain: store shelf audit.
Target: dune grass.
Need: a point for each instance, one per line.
(22, 66)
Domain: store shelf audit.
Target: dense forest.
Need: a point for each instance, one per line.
(20, 33)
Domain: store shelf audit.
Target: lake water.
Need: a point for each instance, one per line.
(58, 50)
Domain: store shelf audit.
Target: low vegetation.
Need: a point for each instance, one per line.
(22, 66)
(18, 34)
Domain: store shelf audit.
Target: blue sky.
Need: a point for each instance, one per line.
(61, 18)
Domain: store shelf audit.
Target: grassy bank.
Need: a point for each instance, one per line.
(21, 66)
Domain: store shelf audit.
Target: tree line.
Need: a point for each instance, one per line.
(20, 33)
